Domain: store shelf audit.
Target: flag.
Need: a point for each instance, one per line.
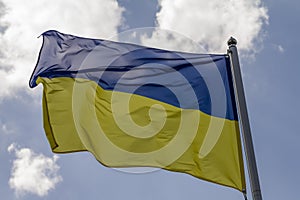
(136, 106)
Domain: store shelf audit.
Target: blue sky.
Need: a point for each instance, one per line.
(267, 35)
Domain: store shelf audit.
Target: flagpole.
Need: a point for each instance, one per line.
(243, 119)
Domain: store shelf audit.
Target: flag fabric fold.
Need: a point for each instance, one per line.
(135, 106)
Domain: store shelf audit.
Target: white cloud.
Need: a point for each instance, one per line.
(11, 147)
(171, 40)
(25, 21)
(6, 129)
(33, 173)
(211, 23)
(280, 48)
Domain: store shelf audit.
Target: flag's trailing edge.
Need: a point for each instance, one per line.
(131, 105)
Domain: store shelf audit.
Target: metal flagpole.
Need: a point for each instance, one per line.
(244, 120)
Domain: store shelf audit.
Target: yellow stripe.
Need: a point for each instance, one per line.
(123, 130)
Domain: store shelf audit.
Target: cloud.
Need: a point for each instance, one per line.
(280, 48)
(33, 173)
(211, 23)
(171, 40)
(5, 128)
(22, 22)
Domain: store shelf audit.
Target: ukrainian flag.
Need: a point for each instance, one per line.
(132, 106)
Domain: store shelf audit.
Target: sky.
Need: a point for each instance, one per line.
(267, 33)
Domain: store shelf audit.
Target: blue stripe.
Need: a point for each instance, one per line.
(150, 72)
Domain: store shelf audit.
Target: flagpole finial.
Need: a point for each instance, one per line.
(232, 41)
